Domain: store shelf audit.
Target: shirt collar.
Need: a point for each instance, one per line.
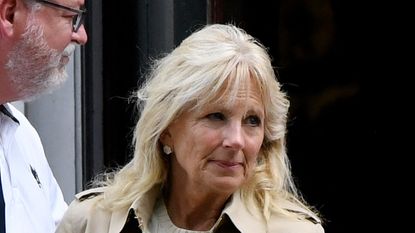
(6, 111)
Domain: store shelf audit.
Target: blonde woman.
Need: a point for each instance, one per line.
(209, 148)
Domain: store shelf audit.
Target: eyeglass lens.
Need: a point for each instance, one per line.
(77, 21)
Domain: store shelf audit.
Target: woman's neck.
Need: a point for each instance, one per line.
(194, 210)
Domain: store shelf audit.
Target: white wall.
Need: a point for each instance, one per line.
(57, 118)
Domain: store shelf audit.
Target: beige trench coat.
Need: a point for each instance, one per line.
(83, 216)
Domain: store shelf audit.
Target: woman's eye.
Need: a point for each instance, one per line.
(217, 116)
(253, 121)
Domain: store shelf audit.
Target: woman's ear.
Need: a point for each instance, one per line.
(7, 14)
(165, 138)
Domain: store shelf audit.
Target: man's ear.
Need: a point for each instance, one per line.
(7, 13)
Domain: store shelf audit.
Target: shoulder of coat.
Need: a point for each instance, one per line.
(89, 193)
(307, 214)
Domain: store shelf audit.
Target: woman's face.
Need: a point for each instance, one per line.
(216, 149)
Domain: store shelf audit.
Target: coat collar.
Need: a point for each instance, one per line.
(236, 211)
(143, 208)
(240, 216)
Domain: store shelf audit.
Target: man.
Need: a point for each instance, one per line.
(37, 38)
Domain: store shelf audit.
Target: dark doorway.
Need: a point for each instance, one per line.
(322, 51)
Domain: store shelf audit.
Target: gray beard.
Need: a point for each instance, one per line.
(33, 66)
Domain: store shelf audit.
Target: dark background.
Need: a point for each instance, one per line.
(324, 53)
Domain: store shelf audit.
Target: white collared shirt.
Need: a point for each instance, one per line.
(34, 201)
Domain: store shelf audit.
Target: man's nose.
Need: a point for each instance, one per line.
(80, 37)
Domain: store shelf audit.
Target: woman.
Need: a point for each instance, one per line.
(209, 148)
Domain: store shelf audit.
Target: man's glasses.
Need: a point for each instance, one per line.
(77, 20)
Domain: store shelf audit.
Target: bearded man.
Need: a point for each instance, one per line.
(37, 38)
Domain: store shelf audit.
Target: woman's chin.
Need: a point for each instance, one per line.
(226, 184)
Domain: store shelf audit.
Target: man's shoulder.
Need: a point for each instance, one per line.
(25, 127)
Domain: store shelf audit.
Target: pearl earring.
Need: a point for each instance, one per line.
(167, 149)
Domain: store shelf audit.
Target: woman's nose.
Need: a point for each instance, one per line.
(234, 137)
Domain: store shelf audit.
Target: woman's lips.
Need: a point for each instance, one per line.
(227, 164)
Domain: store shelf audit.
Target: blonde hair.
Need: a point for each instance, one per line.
(212, 58)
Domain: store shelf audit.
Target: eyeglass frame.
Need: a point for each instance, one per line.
(77, 20)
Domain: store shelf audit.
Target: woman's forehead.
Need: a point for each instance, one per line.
(229, 95)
